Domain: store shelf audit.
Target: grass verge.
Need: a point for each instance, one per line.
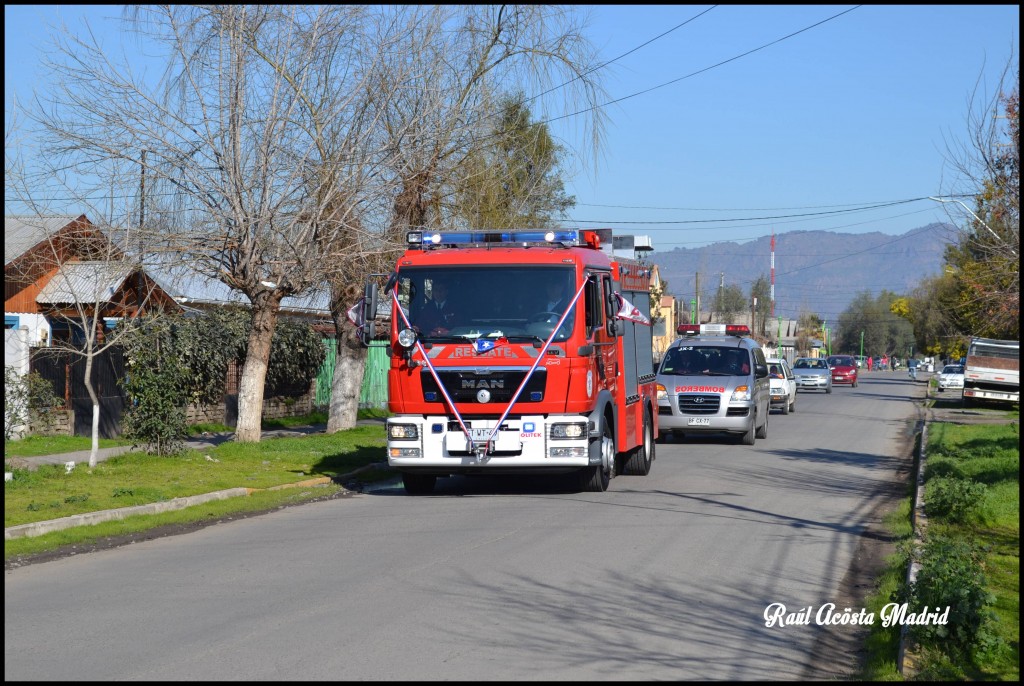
(138, 478)
(984, 460)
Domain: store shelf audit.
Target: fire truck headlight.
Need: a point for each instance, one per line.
(403, 432)
(741, 393)
(407, 338)
(568, 431)
(662, 393)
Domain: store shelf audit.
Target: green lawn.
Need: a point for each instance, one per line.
(137, 478)
(982, 454)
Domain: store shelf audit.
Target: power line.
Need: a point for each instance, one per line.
(701, 71)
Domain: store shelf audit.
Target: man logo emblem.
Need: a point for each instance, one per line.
(483, 396)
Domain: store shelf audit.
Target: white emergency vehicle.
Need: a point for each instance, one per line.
(714, 379)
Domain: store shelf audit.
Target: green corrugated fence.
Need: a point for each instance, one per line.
(374, 393)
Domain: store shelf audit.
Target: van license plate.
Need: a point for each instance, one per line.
(699, 421)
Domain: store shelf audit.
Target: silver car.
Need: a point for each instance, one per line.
(812, 374)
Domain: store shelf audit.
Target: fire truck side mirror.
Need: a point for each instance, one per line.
(616, 327)
(368, 329)
(611, 307)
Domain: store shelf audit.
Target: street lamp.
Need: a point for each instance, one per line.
(964, 205)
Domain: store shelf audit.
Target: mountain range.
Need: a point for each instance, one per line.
(815, 271)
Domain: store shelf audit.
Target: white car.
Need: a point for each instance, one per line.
(783, 385)
(951, 376)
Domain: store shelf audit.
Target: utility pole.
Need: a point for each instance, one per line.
(721, 290)
(696, 288)
(753, 313)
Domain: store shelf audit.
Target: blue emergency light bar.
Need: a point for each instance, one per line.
(529, 237)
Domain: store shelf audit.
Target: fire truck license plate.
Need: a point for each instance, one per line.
(699, 421)
(480, 434)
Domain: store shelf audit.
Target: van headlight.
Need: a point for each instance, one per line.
(742, 393)
(662, 392)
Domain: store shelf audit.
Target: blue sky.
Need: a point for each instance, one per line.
(857, 110)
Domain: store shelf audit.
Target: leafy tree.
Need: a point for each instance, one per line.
(808, 328)
(984, 260)
(762, 290)
(513, 181)
(657, 292)
(729, 302)
(884, 332)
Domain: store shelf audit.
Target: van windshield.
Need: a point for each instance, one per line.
(706, 360)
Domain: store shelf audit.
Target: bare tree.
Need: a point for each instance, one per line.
(288, 147)
(253, 144)
(439, 90)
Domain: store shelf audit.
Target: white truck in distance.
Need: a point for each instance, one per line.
(992, 371)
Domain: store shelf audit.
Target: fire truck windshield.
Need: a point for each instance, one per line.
(487, 301)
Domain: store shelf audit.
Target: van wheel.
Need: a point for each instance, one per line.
(792, 405)
(763, 431)
(639, 461)
(785, 407)
(748, 437)
(419, 484)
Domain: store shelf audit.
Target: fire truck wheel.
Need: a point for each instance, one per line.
(596, 478)
(419, 484)
(639, 460)
(763, 431)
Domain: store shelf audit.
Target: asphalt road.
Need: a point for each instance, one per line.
(664, 577)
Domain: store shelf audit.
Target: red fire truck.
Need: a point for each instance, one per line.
(523, 352)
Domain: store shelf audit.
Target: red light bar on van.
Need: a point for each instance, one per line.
(713, 330)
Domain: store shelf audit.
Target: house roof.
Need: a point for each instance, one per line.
(23, 233)
(84, 282)
(189, 287)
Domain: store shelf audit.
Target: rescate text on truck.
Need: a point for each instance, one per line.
(517, 352)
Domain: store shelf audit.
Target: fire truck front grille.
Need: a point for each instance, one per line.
(464, 385)
(699, 404)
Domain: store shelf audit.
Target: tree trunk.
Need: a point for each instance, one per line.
(349, 369)
(254, 372)
(94, 450)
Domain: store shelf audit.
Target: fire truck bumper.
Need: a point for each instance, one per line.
(527, 443)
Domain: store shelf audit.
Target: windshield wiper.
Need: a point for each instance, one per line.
(525, 337)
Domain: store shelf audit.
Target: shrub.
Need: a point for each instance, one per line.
(952, 498)
(951, 576)
(156, 385)
(26, 394)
